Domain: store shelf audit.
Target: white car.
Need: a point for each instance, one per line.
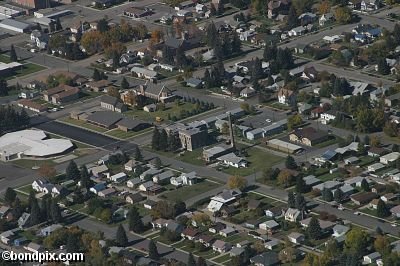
(54, 109)
(393, 224)
(357, 213)
(268, 120)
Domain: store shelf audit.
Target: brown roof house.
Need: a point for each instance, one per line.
(363, 197)
(308, 136)
(190, 233)
(286, 97)
(156, 92)
(276, 6)
(61, 94)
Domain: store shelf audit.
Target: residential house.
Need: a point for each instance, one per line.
(363, 198)
(371, 258)
(236, 251)
(33, 247)
(298, 31)
(296, 238)
(340, 230)
(277, 6)
(118, 178)
(247, 92)
(325, 225)
(150, 108)
(105, 193)
(136, 12)
(286, 97)
(377, 151)
(369, 5)
(7, 237)
(98, 170)
(194, 83)
(311, 180)
(375, 167)
(329, 115)
(206, 240)
(133, 198)
(131, 165)
(307, 18)
(389, 158)
(134, 182)
(112, 103)
(292, 215)
(61, 94)
(360, 88)
(163, 178)
(97, 188)
(149, 204)
(190, 234)
(274, 212)
(98, 86)
(270, 226)
(217, 228)
(325, 18)
(150, 187)
(157, 92)
(389, 197)
(228, 231)
(392, 100)
(268, 258)
(48, 230)
(221, 246)
(308, 136)
(233, 160)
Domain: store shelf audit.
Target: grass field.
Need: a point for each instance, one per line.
(26, 69)
(26, 163)
(222, 258)
(126, 135)
(188, 192)
(84, 124)
(193, 157)
(258, 160)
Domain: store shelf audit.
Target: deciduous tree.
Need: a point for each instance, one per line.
(237, 181)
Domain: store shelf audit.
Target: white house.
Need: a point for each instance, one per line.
(389, 158)
(292, 215)
(286, 97)
(39, 184)
(118, 178)
(298, 31)
(233, 160)
(296, 238)
(371, 258)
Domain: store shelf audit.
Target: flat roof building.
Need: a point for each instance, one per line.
(14, 25)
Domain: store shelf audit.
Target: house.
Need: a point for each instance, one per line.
(363, 198)
(309, 74)
(296, 238)
(236, 251)
(7, 237)
(269, 258)
(128, 124)
(286, 97)
(375, 167)
(33, 247)
(150, 187)
(389, 197)
(389, 158)
(377, 151)
(97, 188)
(217, 228)
(228, 231)
(206, 240)
(163, 178)
(228, 211)
(328, 115)
(374, 204)
(105, 193)
(221, 246)
(190, 234)
(369, 5)
(325, 225)
(4, 210)
(233, 160)
(395, 211)
(308, 136)
(61, 94)
(194, 83)
(269, 226)
(134, 182)
(328, 17)
(307, 18)
(99, 170)
(247, 92)
(356, 181)
(112, 104)
(277, 6)
(292, 215)
(149, 204)
(149, 173)
(392, 100)
(131, 165)
(144, 73)
(253, 204)
(38, 185)
(298, 31)
(118, 178)
(98, 86)
(351, 160)
(150, 108)
(300, 48)
(50, 229)
(340, 230)
(274, 212)
(133, 198)
(157, 92)
(360, 88)
(371, 258)
(136, 12)
(311, 180)
(189, 178)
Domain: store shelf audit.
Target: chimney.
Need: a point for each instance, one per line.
(231, 132)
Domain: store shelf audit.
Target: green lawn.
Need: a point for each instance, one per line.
(26, 189)
(332, 140)
(192, 157)
(26, 69)
(258, 160)
(222, 258)
(27, 163)
(84, 124)
(188, 192)
(328, 176)
(5, 59)
(125, 135)
(173, 110)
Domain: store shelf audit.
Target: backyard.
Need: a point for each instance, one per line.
(26, 69)
(188, 192)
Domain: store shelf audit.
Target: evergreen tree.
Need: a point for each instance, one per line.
(327, 195)
(300, 202)
(301, 186)
(138, 154)
(211, 35)
(364, 185)
(9, 196)
(157, 163)
(290, 163)
(85, 178)
(201, 262)
(381, 209)
(257, 71)
(163, 140)
(153, 251)
(13, 54)
(236, 44)
(72, 243)
(124, 84)
(191, 260)
(155, 141)
(366, 139)
(4, 88)
(72, 171)
(291, 200)
(135, 221)
(58, 24)
(338, 195)
(96, 75)
(213, 10)
(292, 19)
(180, 57)
(31, 198)
(18, 209)
(55, 211)
(395, 148)
(314, 229)
(270, 52)
(396, 33)
(121, 238)
(383, 67)
(35, 212)
(207, 79)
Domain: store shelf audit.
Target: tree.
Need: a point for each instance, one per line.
(72, 243)
(395, 148)
(383, 67)
(47, 171)
(292, 19)
(138, 154)
(338, 195)
(290, 163)
(124, 84)
(135, 221)
(364, 185)
(4, 88)
(291, 200)
(300, 202)
(211, 35)
(284, 178)
(314, 229)
(357, 240)
(342, 15)
(237, 181)
(72, 172)
(366, 139)
(270, 51)
(327, 195)
(10, 196)
(324, 7)
(55, 211)
(294, 121)
(58, 24)
(121, 238)
(155, 141)
(382, 209)
(35, 216)
(153, 251)
(157, 163)
(85, 178)
(102, 25)
(163, 140)
(13, 54)
(301, 186)
(96, 75)
(382, 245)
(201, 262)
(191, 261)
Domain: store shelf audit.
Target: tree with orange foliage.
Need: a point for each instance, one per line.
(47, 171)
(237, 181)
(156, 36)
(92, 42)
(324, 7)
